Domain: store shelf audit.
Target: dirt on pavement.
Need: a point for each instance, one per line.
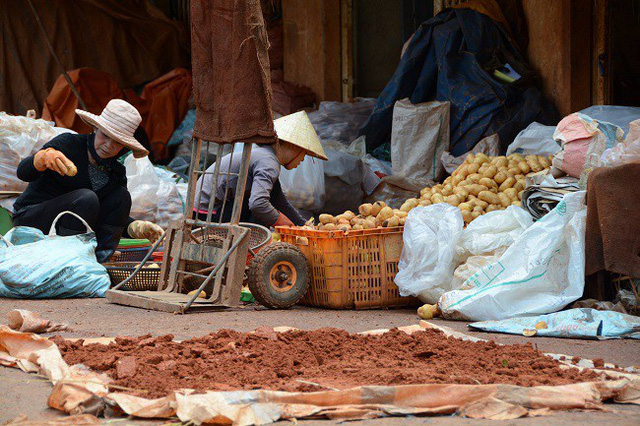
(306, 361)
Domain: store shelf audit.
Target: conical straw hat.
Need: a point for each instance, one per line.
(297, 129)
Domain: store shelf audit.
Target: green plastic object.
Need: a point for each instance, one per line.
(131, 242)
(247, 297)
(6, 223)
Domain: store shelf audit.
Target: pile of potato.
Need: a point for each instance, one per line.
(370, 216)
(482, 184)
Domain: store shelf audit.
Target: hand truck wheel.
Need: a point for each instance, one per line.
(279, 276)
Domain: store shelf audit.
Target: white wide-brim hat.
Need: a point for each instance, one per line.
(118, 120)
(297, 129)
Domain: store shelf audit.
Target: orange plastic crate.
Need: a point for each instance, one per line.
(352, 269)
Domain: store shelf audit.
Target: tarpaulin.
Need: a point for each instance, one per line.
(162, 104)
(452, 57)
(77, 390)
(230, 63)
(133, 41)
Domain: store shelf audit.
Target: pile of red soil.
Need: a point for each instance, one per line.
(229, 360)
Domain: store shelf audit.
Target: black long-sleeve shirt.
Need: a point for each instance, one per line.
(46, 185)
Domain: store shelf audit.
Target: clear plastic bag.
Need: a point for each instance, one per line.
(304, 185)
(427, 261)
(21, 137)
(157, 195)
(627, 151)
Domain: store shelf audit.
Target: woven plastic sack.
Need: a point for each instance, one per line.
(38, 266)
(541, 272)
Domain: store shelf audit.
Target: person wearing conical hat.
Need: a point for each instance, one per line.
(264, 201)
(81, 174)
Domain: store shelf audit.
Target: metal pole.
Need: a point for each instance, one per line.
(241, 184)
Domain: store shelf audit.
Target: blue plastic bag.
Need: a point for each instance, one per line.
(38, 266)
(583, 323)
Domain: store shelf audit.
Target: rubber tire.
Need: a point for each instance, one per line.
(260, 267)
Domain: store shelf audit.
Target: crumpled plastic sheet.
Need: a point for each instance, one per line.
(75, 390)
(580, 323)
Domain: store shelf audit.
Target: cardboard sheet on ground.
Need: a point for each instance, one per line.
(77, 391)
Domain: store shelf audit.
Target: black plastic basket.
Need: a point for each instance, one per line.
(146, 279)
(129, 255)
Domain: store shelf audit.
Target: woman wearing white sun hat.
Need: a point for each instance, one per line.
(81, 173)
(264, 201)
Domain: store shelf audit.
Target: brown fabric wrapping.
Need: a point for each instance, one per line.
(131, 40)
(162, 105)
(613, 229)
(230, 64)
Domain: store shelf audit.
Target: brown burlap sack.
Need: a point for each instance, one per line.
(230, 64)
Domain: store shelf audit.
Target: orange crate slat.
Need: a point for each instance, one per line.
(353, 269)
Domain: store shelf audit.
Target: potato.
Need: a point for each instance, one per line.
(343, 227)
(477, 209)
(384, 214)
(501, 161)
(520, 195)
(465, 183)
(425, 191)
(369, 224)
(357, 227)
(490, 172)
(456, 180)
(461, 190)
(427, 312)
(489, 183)
(365, 209)
(475, 178)
(483, 167)
(343, 221)
(466, 216)
(514, 171)
(515, 157)
(535, 166)
(470, 158)
(511, 193)
(489, 197)
(517, 203)
(447, 190)
(349, 214)
(493, 207)
(500, 177)
(477, 202)
(328, 227)
(403, 220)
(464, 206)
(507, 184)
(519, 186)
(476, 189)
(327, 218)
(437, 198)
(505, 201)
(409, 204)
(524, 167)
(472, 168)
(202, 294)
(475, 214)
(356, 221)
(462, 170)
(391, 222)
(400, 213)
(544, 161)
(376, 207)
(452, 200)
(425, 203)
